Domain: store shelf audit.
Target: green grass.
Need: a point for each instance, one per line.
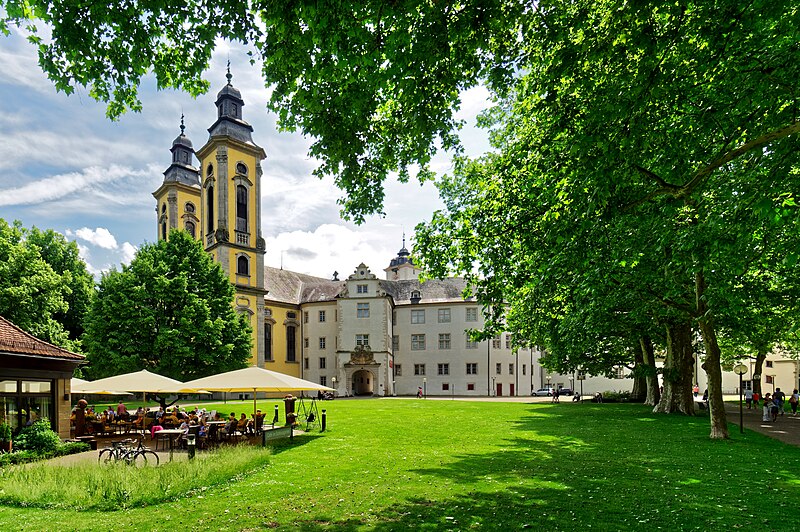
(94, 486)
(453, 465)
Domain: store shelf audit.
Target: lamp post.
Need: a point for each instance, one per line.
(494, 388)
(740, 369)
(572, 385)
(425, 387)
(333, 381)
(548, 384)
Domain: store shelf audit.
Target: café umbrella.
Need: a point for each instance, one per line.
(254, 379)
(80, 386)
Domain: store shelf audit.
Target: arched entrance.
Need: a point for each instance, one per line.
(362, 383)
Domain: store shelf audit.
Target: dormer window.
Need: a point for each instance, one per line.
(415, 294)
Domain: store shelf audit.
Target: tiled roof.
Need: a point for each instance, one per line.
(295, 288)
(16, 341)
(432, 290)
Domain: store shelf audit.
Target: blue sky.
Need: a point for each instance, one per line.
(65, 166)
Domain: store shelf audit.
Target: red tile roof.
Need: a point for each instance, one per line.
(16, 341)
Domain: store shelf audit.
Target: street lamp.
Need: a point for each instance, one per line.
(425, 387)
(548, 384)
(740, 369)
(333, 381)
(494, 388)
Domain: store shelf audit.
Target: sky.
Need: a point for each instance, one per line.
(65, 166)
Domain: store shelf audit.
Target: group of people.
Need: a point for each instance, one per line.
(774, 403)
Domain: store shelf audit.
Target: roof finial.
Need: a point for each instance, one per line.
(404, 239)
(228, 75)
(183, 127)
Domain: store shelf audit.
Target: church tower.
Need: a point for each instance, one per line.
(230, 196)
(402, 267)
(178, 197)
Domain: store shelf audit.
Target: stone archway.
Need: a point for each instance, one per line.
(362, 382)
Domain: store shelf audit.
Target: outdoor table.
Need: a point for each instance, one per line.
(214, 427)
(173, 435)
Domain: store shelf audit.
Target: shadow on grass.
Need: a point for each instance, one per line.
(278, 446)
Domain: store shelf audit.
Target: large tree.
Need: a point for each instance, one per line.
(44, 285)
(169, 311)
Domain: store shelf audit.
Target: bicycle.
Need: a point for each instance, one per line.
(121, 451)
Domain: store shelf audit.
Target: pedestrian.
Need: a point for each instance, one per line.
(779, 397)
(766, 415)
(775, 408)
(555, 395)
(793, 400)
(748, 398)
(756, 399)
(696, 390)
(419, 392)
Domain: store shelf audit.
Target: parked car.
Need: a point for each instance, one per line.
(543, 392)
(565, 391)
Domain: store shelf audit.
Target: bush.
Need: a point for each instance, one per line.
(5, 431)
(616, 397)
(39, 438)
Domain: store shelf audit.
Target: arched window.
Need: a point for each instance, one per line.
(189, 207)
(268, 341)
(163, 222)
(210, 170)
(291, 343)
(241, 168)
(241, 208)
(242, 265)
(190, 229)
(210, 209)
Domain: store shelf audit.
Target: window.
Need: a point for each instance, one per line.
(394, 317)
(395, 343)
(362, 289)
(417, 342)
(291, 343)
(322, 362)
(511, 369)
(241, 169)
(443, 369)
(472, 314)
(444, 341)
(322, 342)
(305, 343)
(398, 370)
(268, 341)
(769, 363)
(322, 316)
(471, 344)
(417, 316)
(305, 317)
(210, 209)
(496, 342)
(323, 380)
(415, 294)
(190, 228)
(305, 363)
(508, 341)
(498, 368)
(419, 369)
(362, 340)
(241, 208)
(472, 368)
(242, 265)
(619, 373)
(769, 379)
(291, 315)
(163, 222)
(189, 207)
(445, 386)
(362, 310)
(444, 315)
(523, 369)
(471, 386)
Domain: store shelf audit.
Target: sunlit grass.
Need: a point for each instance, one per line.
(114, 486)
(450, 465)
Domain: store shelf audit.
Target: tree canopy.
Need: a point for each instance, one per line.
(169, 311)
(45, 288)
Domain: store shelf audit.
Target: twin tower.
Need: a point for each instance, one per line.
(219, 204)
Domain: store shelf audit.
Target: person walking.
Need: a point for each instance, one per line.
(766, 413)
(756, 399)
(779, 398)
(793, 400)
(555, 395)
(419, 392)
(775, 408)
(748, 398)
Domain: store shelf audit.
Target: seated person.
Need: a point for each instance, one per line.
(241, 425)
(258, 421)
(230, 426)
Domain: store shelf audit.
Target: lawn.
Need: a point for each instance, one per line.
(453, 465)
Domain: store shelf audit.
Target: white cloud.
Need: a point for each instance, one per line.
(100, 237)
(128, 251)
(59, 186)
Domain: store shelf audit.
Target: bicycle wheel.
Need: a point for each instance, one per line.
(106, 456)
(143, 458)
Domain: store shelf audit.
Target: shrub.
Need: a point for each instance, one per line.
(5, 432)
(39, 438)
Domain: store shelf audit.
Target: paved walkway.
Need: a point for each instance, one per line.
(785, 429)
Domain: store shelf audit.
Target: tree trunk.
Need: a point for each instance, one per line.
(639, 392)
(678, 371)
(719, 422)
(760, 358)
(650, 372)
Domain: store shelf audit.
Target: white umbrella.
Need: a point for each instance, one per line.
(254, 379)
(80, 386)
(141, 381)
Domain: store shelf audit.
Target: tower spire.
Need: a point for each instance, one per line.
(228, 75)
(183, 127)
